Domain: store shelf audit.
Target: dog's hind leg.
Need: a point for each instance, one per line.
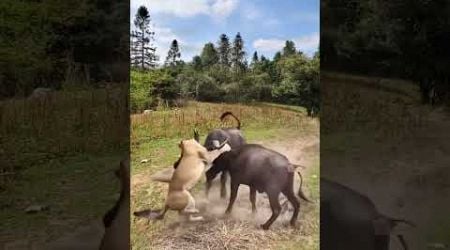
(190, 207)
(190, 210)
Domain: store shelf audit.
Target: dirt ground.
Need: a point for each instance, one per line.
(241, 229)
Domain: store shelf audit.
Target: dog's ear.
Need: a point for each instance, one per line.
(196, 135)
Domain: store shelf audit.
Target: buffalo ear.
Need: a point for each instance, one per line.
(196, 135)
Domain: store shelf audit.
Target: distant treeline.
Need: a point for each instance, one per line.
(401, 38)
(62, 44)
(221, 73)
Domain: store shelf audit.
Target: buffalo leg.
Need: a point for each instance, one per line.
(233, 195)
(253, 199)
(275, 206)
(295, 203)
(223, 183)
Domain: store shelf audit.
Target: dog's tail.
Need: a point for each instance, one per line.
(228, 113)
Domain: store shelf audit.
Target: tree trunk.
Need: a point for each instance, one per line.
(142, 50)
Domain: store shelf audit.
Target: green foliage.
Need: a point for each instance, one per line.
(221, 75)
(173, 55)
(224, 51)
(393, 39)
(289, 48)
(209, 55)
(141, 90)
(300, 80)
(197, 63)
(46, 43)
(238, 55)
(209, 89)
(142, 52)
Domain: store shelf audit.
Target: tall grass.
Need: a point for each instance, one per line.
(179, 123)
(386, 109)
(33, 131)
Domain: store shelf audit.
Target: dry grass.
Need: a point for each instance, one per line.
(50, 150)
(354, 103)
(205, 116)
(33, 131)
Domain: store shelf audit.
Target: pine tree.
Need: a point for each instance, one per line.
(142, 52)
(238, 54)
(173, 55)
(277, 56)
(209, 55)
(223, 50)
(255, 60)
(197, 63)
(289, 48)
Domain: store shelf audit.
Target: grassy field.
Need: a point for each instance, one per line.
(59, 151)
(155, 137)
(379, 139)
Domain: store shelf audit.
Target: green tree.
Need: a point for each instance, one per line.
(277, 56)
(173, 55)
(142, 51)
(238, 54)
(223, 49)
(255, 60)
(209, 55)
(62, 44)
(197, 63)
(289, 48)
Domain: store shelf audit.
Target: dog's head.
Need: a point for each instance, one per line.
(192, 147)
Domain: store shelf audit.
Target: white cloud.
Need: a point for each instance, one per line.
(268, 45)
(164, 37)
(217, 9)
(308, 43)
(221, 9)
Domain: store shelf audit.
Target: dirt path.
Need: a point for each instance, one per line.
(241, 230)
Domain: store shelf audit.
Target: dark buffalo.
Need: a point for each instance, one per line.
(263, 170)
(350, 220)
(116, 221)
(216, 138)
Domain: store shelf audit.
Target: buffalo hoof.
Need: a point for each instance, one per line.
(265, 227)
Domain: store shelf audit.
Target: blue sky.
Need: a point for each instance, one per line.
(264, 24)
